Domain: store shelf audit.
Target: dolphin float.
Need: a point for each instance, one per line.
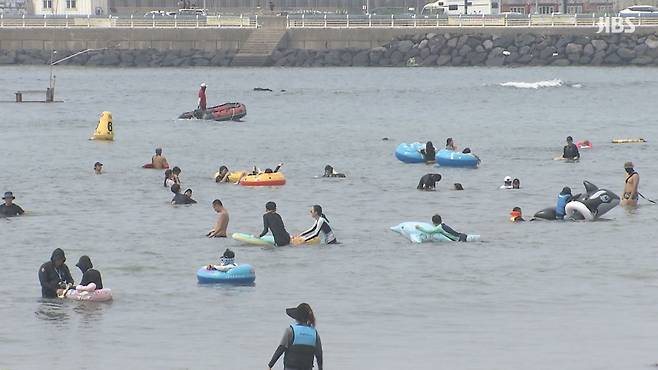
(588, 206)
(409, 231)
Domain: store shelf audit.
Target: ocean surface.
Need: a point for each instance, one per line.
(538, 295)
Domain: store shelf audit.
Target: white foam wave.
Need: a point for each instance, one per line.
(533, 85)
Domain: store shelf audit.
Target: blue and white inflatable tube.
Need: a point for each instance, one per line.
(410, 153)
(451, 158)
(409, 231)
(241, 274)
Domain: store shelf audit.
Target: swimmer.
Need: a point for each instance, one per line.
(54, 275)
(450, 144)
(226, 262)
(188, 193)
(458, 186)
(89, 275)
(158, 161)
(180, 198)
(321, 225)
(428, 181)
(168, 179)
(570, 151)
(9, 209)
(219, 230)
(176, 174)
(562, 199)
(273, 222)
(300, 342)
(223, 174)
(330, 172)
(443, 229)
(516, 215)
(631, 186)
(516, 184)
(507, 183)
(202, 97)
(98, 168)
(429, 153)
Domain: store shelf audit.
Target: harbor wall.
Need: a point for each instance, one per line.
(447, 46)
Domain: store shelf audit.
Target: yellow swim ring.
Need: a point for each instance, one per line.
(104, 128)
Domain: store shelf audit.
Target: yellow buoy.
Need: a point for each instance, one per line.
(104, 128)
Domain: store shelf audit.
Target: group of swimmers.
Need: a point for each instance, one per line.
(56, 280)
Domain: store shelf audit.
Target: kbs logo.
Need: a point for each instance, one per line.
(616, 25)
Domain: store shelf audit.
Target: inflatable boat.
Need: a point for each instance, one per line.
(98, 295)
(410, 153)
(264, 179)
(241, 274)
(585, 144)
(450, 158)
(224, 112)
(409, 231)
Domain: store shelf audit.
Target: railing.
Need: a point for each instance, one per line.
(533, 20)
(219, 21)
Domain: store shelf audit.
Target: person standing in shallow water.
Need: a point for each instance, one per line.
(631, 186)
(54, 275)
(9, 209)
(300, 342)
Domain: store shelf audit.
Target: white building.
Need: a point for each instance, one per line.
(455, 7)
(70, 7)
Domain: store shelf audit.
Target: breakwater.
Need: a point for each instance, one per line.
(339, 47)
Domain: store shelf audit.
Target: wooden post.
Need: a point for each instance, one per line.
(50, 95)
(19, 97)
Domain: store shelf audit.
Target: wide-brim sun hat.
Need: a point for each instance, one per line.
(298, 313)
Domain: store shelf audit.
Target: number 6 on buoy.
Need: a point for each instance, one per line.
(104, 128)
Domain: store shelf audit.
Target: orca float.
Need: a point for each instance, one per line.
(589, 206)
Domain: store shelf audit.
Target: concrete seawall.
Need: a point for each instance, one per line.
(447, 46)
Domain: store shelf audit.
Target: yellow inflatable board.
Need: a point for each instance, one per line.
(232, 176)
(104, 128)
(264, 179)
(298, 240)
(629, 141)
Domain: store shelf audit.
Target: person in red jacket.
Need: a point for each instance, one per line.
(202, 97)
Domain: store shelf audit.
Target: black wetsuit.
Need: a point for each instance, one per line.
(182, 199)
(429, 153)
(89, 274)
(53, 278)
(570, 152)
(273, 222)
(428, 181)
(12, 210)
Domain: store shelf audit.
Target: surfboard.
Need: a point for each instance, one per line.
(266, 240)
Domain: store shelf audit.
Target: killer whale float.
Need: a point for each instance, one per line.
(589, 206)
(409, 231)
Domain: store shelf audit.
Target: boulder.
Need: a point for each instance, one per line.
(626, 54)
(588, 50)
(487, 44)
(613, 59)
(599, 44)
(547, 53)
(474, 58)
(503, 41)
(430, 35)
(464, 50)
(561, 62)
(443, 60)
(423, 44)
(452, 42)
(404, 46)
(651, 42)
(430, 60)
(361, 59)
(574, 48)
(424, 53)
(641, 61)
(456, 61)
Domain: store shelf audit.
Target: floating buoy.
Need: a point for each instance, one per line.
(629, 141)
(104, 129)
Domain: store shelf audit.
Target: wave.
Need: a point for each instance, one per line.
(537, 85)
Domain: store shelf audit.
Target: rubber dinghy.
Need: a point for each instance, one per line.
(409, 231)
(223, 112)
(589, 206)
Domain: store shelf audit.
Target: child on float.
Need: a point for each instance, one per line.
(226, 262)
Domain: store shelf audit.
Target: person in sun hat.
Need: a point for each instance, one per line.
(300, 342)
(631, 186)
(507, 183)
(226, 262)
(9, 209)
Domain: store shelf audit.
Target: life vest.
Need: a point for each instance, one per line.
(302, 350)
(562, 200)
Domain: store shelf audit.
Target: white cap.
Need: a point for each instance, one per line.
(203, 84)
(508, 179)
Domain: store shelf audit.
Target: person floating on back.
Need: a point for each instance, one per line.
(158, 160)
(329, 171)
(562, 199)
(320, 227)
(9, 209)
(91, 278)
(226, 262)
(180, 198)
(219, 230)
(54, 276)
(443, 229)
(631, 186)
(429, 153)
(273, 222)
(300, 342)
(428, 181)
(98, 168)
(516, 215)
